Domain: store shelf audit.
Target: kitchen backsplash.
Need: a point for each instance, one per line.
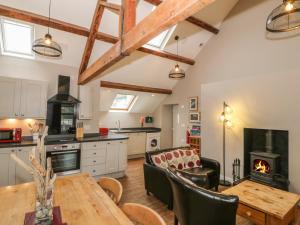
(18, 123)
(108, 119)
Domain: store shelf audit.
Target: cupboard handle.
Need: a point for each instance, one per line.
(94, 171)
(16, 114)
(95, 146)
(12, 150)
(20, 150)
(108, 143)
(94, 161)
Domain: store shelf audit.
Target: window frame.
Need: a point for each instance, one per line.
(167, 37)
(130, 105)
(6, 52)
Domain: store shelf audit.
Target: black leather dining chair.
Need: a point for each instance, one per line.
(197, 206)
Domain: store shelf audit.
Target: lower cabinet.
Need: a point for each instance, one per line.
(106, 157)
(10, 172)
(136, 143)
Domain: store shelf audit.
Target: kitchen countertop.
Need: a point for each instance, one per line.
(136, 130)
(87, 138)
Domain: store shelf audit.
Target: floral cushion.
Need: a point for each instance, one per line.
(191, 158)
(160, 160)
(174, 159)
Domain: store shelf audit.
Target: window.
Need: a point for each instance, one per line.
(161, 40)
(123, 102)
(16, 39)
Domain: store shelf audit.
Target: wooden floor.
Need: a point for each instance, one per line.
(134, 191)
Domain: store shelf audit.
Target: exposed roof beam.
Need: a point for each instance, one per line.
(92, 36)
(131, 87)
(164, 16)
(191, 19)
(71, 28)
(111, 6)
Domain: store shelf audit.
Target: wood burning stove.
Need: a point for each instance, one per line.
(264, 165)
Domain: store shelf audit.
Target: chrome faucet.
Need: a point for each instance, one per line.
(118, 123)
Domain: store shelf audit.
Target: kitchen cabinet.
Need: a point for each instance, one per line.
(136, 143)
(33, 99)
(112, 155)
(9, 97)
(10, 172)
(7, 167)
(86, 105)
(105, 157)
(22, 98)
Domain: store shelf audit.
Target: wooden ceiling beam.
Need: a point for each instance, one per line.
(131, 87)
(92, 36)
(129, 7)
(111, 6)
(191, 19)
(71, 28)
(167, 14)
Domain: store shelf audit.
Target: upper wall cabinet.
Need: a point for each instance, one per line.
(22, 98)
(86, 105)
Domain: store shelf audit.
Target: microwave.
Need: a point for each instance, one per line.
(10, 135)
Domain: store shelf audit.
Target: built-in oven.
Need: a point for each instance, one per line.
(65, 158)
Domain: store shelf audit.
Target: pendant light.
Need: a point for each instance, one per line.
(286, 17)
(177, 73)
(46, 46)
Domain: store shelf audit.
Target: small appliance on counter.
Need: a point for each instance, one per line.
(103, 131)
(10, 135)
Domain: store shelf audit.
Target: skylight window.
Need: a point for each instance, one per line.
(16, 39)
(123, 102)
(161, 40)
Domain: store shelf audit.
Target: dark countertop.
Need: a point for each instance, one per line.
(136, 130)
(64, 140)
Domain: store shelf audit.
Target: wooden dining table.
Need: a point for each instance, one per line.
(81, 200)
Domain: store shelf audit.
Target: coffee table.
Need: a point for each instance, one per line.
(264, 205)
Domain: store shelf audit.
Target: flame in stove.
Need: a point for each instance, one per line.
(262, 167)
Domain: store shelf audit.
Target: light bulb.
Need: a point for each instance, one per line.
(289, 6)
(222, 117)
(176, 68)
(228, 109)
(48, 41)
(229, 124)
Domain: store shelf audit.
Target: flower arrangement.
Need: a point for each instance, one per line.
(36, 128)
(44, 178)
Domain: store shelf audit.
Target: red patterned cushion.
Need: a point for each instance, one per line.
(174, 159)
(160, 160)
(190, 157)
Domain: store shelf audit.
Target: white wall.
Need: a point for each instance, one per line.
(243, 49)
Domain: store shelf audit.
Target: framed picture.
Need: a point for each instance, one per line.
(193, 103)
(195, 117)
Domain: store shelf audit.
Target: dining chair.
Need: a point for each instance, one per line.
(112, 187)
(142, 215)
(194, 205)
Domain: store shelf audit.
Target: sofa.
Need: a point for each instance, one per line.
(201, 171)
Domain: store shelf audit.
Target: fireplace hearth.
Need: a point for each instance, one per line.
(266, 157)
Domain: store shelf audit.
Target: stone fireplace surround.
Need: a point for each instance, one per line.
(273, 150)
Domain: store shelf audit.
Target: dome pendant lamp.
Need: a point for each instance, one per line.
(177, 73)
(46, 46)
(286, 17)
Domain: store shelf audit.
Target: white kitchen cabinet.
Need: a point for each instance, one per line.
(22, 98)
(112, 156)
(7, 167)
(104, 157)
(9, 97)
(122, 155)
(33, 99)
(86, 105)
(21, 175)
(136, 143)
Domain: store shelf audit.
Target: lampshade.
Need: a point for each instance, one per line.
(177, 73)
(47, 47)
(286, 17)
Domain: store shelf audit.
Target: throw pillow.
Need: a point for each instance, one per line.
(191, 158)
(160, 160)
(174, 159)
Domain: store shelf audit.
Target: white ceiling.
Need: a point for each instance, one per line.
(139, 68)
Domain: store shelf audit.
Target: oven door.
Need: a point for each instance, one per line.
(65, 162)
(6, 135)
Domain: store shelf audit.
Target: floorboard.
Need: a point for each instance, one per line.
(134, 191)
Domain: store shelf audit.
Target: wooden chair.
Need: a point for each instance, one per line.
(112, 187)
(142, 215)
